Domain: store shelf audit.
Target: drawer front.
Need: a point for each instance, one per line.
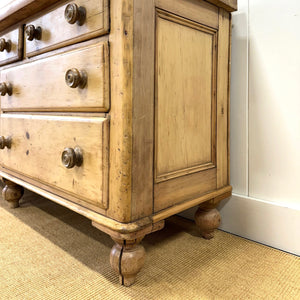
(37, 144)
(41, 85)
(55, 31)
(11, 46)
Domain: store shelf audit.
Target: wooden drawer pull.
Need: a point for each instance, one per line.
(5, 88)
(5, 45)
(75, 78)
(33, 33)
(72, 157)
(5, 142)
(75, 14)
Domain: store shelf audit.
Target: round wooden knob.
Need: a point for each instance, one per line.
(5, 45)
(72, 157)
(33, 33)
(75, 78)
(5, 88)
(5, 142)
(75, 14)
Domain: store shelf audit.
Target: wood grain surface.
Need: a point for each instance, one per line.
(229, 5)
(143, 109)
(57, 32)
(37, 145)
(223, 100)
(185, 97)
(40, 85)
(198, 11)
(15, 37)
(13, 11)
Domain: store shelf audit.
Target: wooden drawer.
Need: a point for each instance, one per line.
(11, 44)
(37, 144)
(41, 84)
(57, 32)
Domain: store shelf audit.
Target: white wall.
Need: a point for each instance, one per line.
(266, 78)
(265, 124)
(239, 100)
(274, 100)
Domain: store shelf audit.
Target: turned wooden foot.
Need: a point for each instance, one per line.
(12, 193)
(207, 220)
(127, 257)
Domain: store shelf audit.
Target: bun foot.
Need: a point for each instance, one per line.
(12, 193)
(207, 220)
(127, 258)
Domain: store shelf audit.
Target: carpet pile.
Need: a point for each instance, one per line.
(50, 252)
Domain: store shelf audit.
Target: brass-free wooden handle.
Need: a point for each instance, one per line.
(5, 45)
(5, 88)
(72, 157)
(75, 14)
(33, 33)
(75, 78)
(5, 142)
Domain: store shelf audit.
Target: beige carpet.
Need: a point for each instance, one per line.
(49, 252)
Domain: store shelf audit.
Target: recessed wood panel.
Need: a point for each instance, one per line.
(184, 188)
(196, 10)
(37, 143)
(185, 104)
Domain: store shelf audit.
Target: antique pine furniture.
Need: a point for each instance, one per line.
(118, 110)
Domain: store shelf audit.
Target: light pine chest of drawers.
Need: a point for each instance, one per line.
(118, 110)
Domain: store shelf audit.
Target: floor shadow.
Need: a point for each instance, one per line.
(74, 233)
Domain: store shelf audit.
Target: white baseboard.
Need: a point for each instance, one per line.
(269, 223)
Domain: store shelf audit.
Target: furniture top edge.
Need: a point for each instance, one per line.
(18, 10)
(229, 5)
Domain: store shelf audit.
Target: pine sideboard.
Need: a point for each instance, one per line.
(118, 110)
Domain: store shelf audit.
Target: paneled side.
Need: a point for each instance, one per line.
(185, 104)
(196, 10)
